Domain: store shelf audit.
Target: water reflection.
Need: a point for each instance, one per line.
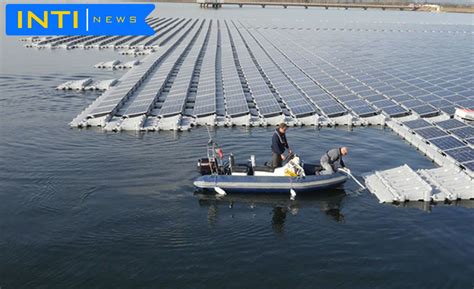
(429, 206)
(328, 202)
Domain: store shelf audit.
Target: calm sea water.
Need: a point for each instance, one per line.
(87, 209)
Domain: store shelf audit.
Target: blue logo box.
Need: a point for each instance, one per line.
(78, 19)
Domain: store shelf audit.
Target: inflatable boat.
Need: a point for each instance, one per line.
(294, 177)
(270, 184)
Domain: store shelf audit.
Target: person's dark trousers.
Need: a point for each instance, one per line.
(276, 160)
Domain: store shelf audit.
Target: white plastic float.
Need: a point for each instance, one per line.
(403, 184)
(87, 84)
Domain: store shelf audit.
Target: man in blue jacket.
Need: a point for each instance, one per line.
(279, 145)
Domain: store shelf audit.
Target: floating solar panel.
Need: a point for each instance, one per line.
(326, 102)
(334, 110)
(401, 98)
(444, 93)
(395, 111)
(377, 97)
(440, 103)
(467, 93)
(450, 124)
(367, 93)
(468, 103)
(464, 132)
(348, 97)
(469, 166)
(384, 103)
(364, 110)
(430, 132)
(461, 155)
(356, 103)
(447, 142)
(417, 123)
(456, 98)
(428, 98)
(412, 103)
(425, 110)
(449, 110)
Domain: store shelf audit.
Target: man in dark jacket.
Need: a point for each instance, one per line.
(333, 159)
(279, 145)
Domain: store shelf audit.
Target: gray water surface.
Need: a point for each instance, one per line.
(87, 209)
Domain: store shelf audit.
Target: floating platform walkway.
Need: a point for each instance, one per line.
(306, 5)
(87, 84)
(403, 184)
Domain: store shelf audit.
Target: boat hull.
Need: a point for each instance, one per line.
(270, 184)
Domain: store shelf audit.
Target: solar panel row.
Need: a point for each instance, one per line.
(151, 90)
(447, 135)
(235, 101)
(292, 97)
(336, 82)
(205, 103)
(397, 82)
(266, 102)
(305, 84)
(177, 24)
(306, 81)
(175, 100)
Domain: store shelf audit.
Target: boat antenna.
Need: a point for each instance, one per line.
(211, 140)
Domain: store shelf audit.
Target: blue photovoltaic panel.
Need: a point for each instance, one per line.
(355, 103)
(364, 110)
(468, 103)
(334, 110)
(440, 103)
(456, 98)
(401, 98)
(412, 103)
(469, 166)
(450, 124)
(394, 111)
(425, 110)
(464, 132)
(417, 123)
(470, 141)
(384, 103)
(348, 97)
(430, 132)
(467, 93)
(447, 143)
(376, 97)
(462, 155)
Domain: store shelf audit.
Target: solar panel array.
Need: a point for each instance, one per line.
(205, 102)
(265, 100)
(300, 59)
(114, 98)
(234, 68)
(234, 94)
(176, 98)
(441, 77)
(144, 99)
(452, 137)
(161, 25)
(294, 99)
